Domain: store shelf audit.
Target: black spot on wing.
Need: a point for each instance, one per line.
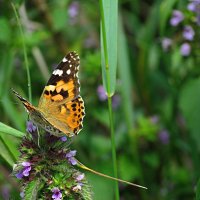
(65, 94)
(70, 62)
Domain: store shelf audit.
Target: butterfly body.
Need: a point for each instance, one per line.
(61, 108)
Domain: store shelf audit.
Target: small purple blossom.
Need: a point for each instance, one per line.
(80, 177)
(71, 154)
(5, 191)
(72, 161)
(188, 33)
(166, 43)
(101, 93)
(70, 157)
(164, 136)
(19, 175)
(30, 127)
(185, 49)
(25, 171)
(154, 119)
(57, 195)
(191, 6)
(63, 139)
(116, 100)
(73, 11)
(194, 6)
(198, 19)
(90, 42)
(177, 17)
(22, 194)
(77, 188)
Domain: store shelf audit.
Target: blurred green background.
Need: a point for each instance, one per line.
(156, 105)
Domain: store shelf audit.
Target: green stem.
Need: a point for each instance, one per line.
(82, 166)
(25, 52)
(114, 159)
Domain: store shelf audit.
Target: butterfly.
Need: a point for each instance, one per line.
(61, 108)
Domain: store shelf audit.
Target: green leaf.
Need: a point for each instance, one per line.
(189, 105)
(11, 131)
(198, 190)
(5, 153)
(128, 170)
(31, 190)
(125, 76)
(6, 62)
(165, 11)
(11, 144)
(59, 18)
(109, 44)
(102, 116)
(145, 36)
(152, 159)
(5, 33)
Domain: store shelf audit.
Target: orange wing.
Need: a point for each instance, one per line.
(60, 102)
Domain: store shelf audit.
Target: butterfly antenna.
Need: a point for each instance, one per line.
(79, 164)
(18, 96)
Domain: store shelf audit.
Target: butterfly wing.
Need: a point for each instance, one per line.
(60, 102)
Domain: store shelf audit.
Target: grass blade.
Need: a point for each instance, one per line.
(109, 14)
(124, 73)
(11, 131)
(25, 52)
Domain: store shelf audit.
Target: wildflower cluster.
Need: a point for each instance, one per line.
(188, 21)
(47, 167)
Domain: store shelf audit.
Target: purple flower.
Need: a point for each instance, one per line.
(177, 17)
(194, 6)
(63, 139)
(116, 100)
(154, 119)
(5, 191)
(70, 157)
(72, 161)
(101, 93)
(198, 19)
(90, 42)
(166, 43)
(73, 11)
(71, 154)
(188, 33)
(19, 175)
(25, 171)
(185, 49)
(163, 136)
(77, 188)
(30, 127)
(22, 195)
(80, 177)
(57, 195)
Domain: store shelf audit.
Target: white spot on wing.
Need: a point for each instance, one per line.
(64, 59)
(58, 72)
(68, 71)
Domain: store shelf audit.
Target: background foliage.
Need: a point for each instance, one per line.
(155, 106)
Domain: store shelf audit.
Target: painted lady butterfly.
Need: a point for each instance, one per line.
(61, 108)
